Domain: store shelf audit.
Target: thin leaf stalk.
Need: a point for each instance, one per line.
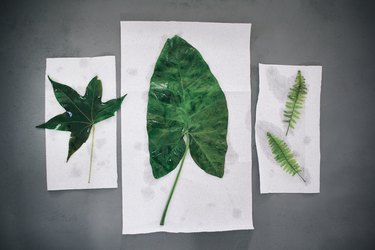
(174, 184)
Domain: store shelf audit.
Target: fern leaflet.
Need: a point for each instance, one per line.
(296, 98)
(284, 156)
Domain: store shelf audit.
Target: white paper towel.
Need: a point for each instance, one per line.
(274, 84)
(61, 175)
(201, 202)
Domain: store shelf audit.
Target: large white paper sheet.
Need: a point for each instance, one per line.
(274, 84)
(201, 202)
(61, 175)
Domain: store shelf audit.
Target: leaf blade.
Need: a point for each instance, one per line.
(107, 109)
(68, 98)
(183, 94)
(60, 122)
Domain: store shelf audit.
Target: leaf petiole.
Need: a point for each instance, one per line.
(175, 183)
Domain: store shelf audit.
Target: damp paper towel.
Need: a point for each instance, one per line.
(201, 202)
(304, 141)
(62, 175)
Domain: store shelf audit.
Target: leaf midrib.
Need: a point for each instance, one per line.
(92, 103)
(295, 102)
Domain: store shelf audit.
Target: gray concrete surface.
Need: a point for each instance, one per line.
(336, 34)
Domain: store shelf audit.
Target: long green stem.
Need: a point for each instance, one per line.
(92, 151)
(174, 184)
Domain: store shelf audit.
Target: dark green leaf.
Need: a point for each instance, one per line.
(185, 100)
(283, 155)
(296, 98)
(82, 112)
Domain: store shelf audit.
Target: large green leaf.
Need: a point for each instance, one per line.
(185, 100)
(186, 110)
(82, 112)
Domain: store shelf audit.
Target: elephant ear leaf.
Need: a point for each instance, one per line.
(186, 109)
(296, 98)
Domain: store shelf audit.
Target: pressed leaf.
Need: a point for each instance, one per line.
(187, 110)
(82, 112)
(296, 98)
(185, 99)
(284, 156)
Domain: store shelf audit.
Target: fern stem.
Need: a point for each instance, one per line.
(301, 177)
(92, 151)
(287, 129)
(174, 184)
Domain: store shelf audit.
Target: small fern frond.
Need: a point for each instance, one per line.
(284, 156)
(296, 98)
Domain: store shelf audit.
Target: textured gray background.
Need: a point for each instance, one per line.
(336, 34)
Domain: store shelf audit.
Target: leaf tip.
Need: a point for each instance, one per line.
(40, 126)
(156, 175)
(49, 78)
(96, 79)
(69, 155)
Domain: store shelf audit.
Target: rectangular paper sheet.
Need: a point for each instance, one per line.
(201, 202)
(61, 175)
(304, 141)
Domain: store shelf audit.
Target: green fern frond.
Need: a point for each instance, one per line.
(296, 98)
(284, 156)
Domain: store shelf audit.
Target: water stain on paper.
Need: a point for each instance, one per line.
(237, 213)
(148, 193)
(132, 71)
(278, 84)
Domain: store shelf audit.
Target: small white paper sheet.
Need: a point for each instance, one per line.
(201, 202)
(304, 141)
(62, 175)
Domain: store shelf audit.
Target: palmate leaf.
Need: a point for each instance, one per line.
(82, 112)
(186, 110)
(296, 98)
(284, 156)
